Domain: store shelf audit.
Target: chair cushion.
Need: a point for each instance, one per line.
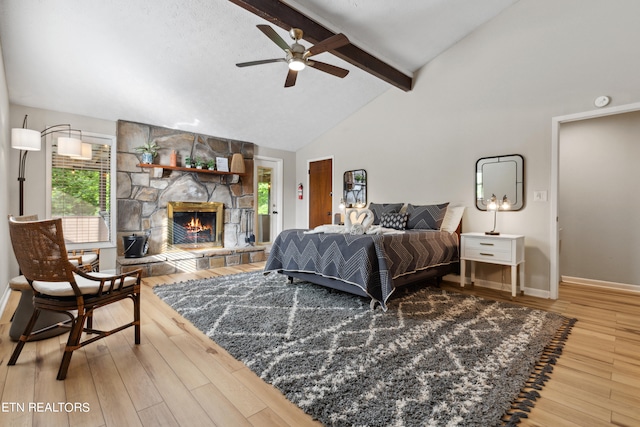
(86, 259)
(87, 286)
(19, 283)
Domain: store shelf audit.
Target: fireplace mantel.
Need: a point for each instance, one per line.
(183, 169)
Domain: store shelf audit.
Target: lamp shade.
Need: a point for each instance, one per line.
(69, 146)
(237, 163)
(87, 152)
(25, 139)
(493, 203)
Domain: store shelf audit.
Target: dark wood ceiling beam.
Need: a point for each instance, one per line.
(286, 17)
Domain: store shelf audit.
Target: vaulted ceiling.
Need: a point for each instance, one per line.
(172, 63)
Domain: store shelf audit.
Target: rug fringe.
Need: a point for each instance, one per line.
(528, 395)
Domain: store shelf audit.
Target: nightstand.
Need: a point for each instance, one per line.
(503, 249)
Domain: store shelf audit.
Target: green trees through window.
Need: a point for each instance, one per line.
(77, 192)
(264, 195)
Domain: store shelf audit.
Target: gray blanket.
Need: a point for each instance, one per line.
(370, 262)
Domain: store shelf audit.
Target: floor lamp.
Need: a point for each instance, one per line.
(26, 140)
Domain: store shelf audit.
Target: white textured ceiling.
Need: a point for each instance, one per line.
(172, 63)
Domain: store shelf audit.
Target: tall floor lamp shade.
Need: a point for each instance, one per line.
(26, 140)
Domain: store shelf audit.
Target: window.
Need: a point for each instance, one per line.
(81, 191)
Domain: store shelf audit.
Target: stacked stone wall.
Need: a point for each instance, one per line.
(143, 193)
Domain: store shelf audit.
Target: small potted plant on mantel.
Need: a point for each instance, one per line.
(211, 164)
(187, 162)
(199, 163)
(149, 151)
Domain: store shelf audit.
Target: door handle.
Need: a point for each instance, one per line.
(329, 213)
(274, 212)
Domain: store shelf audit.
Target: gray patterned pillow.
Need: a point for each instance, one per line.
(427, 217)
(380, 208)
(397, 221)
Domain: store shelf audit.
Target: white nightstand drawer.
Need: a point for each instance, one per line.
(505, 249)
(488, 255)
(493, 245)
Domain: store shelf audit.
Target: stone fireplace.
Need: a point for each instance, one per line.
(194, 225)
(150, 198)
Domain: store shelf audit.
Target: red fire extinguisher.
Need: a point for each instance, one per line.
(300, 191)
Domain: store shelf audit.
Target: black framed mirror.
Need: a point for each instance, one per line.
(354, 190)
(502, 177)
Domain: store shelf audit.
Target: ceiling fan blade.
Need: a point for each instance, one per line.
(331, 43)
(271, 33)
(262, 61)
(328, 68)
(292, 75)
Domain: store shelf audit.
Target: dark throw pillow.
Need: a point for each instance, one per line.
(381, 208)
(397, 221)
(427, 217)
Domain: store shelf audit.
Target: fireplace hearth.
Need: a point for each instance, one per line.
(195, 225)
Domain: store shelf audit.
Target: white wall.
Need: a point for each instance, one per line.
(598, 207)
(493, 93)
(5, 180)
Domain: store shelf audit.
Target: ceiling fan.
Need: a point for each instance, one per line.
(298, 57)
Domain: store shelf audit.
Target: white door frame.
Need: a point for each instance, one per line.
(279, 183)
(554, 268)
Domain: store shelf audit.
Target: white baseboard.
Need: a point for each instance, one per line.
(5, 299)
(600, 283)
(538, 293)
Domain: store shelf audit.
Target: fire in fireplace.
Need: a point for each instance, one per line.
(195, 224)
(193, 227)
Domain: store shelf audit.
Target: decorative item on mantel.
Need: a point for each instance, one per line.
(237, 163)
(187, 162)
(211, 164)
(199, 163)
(149, 151)
(237, 166)
(173, 160)
(222, 163)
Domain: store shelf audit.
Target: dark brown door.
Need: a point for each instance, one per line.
(320, 184)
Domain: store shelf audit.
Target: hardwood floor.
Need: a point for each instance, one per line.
(178, 377)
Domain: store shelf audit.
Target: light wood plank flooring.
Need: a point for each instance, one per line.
(178, 377)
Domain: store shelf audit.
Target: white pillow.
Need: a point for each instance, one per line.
(452, 218)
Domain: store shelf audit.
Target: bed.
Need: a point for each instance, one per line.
(369, 265)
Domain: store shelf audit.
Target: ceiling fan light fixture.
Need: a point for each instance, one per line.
(296, 64)
(297, 55)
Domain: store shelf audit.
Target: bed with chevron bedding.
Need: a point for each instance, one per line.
(367, 265)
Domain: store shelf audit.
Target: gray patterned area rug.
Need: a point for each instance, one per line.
(434, 358)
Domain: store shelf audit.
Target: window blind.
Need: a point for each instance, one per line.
(81, 193)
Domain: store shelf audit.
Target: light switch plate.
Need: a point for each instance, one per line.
(539, 196)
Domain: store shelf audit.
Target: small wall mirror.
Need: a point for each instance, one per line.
(502, 176)
(355, 188)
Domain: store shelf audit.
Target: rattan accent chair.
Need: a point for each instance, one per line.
(61, 287)
(88, 260)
